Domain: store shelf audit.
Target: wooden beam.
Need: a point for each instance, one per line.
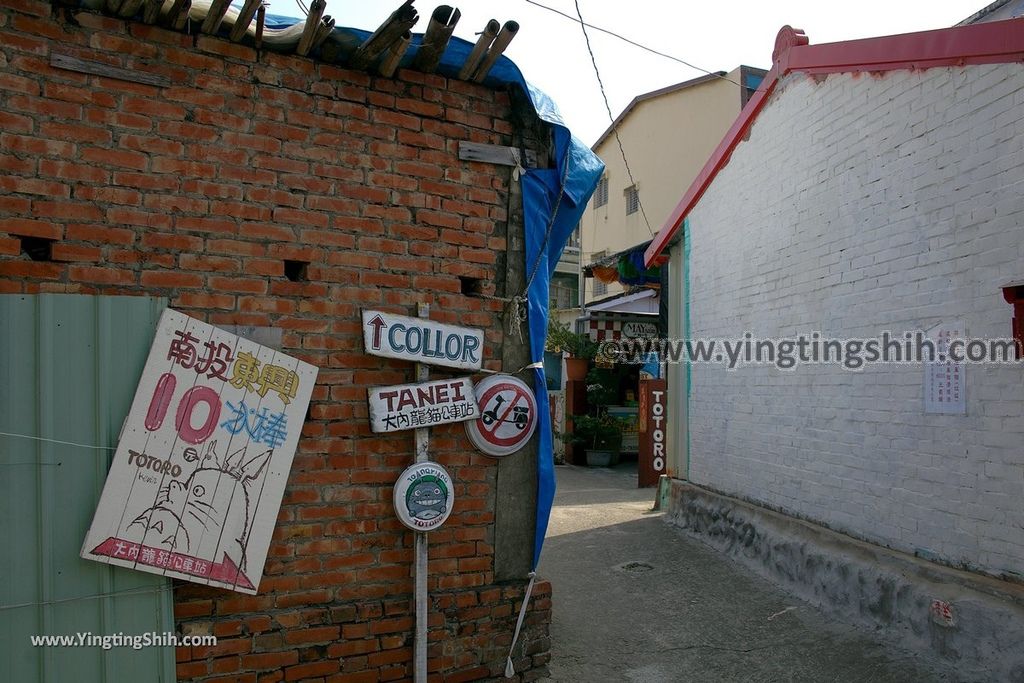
(69, 63)
(496, 154)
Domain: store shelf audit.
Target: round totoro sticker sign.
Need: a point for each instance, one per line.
(424, 496)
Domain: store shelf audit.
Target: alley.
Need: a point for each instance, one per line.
(635, 600)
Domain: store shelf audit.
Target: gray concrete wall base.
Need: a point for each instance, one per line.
(981, 637)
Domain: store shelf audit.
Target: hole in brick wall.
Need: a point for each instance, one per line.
(37, 248)
(296, 271)
(471, 286)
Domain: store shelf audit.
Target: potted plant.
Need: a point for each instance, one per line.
(598, 433)
(579, 347)
(600, 437)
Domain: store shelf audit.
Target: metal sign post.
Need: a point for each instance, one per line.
(422, 445)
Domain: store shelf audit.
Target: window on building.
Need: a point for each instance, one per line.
(632, 199)
(601, 193)
(564, 292)
(600, 288)
(574, 239)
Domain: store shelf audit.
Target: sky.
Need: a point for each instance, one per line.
(551, 52)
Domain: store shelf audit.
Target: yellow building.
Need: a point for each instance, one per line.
(667, 135)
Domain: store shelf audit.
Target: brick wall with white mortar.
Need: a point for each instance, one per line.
(200, 192)
(861, 204)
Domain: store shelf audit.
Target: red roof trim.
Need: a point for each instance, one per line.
(994, 42)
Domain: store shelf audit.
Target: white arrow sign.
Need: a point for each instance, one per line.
(422, 341)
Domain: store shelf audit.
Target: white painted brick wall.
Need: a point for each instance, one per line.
(862, 204)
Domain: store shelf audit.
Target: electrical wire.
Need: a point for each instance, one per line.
(64, 443)
(95, 596)
(611, 117)
(631, 42)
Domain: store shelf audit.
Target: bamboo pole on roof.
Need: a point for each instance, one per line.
(152, 11)
(129, 8)
(309, 29)
(394, 55)
(178, 16)
(215, 16)
(261, 20)
(482, 43)
(435, 40)
(244, 19)
(508, 32)
(400, 21)
(322, 32)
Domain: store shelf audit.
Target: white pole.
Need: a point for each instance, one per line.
(422, 444)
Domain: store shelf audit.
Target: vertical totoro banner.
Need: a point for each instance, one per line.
(196, 482)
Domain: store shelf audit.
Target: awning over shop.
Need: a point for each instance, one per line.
(625, 267)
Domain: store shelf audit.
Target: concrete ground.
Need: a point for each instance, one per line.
(635, 600)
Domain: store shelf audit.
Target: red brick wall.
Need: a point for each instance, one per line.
(199, 192)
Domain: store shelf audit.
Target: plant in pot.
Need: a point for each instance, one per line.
(598, 433)
(580, 347)
(600, 436)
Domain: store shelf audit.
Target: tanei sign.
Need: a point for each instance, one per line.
(409, 406)
(422, 341)
(196, 482)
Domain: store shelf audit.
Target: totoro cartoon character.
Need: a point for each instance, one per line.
(209, 511)
(427, 498)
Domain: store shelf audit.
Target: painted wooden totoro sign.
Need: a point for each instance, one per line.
(196, 482)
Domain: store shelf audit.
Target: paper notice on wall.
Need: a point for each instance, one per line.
(945, 379)
(195, 485)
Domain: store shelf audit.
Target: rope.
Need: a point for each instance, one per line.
(510, 669)
(516, 310)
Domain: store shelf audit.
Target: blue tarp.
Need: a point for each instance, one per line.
(543, 193)
(544, 198)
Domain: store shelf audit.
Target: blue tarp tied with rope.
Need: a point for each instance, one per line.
(554, 197)
(553, 201)
(547, 199)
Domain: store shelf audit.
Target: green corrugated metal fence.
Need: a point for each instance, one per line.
(68, 373)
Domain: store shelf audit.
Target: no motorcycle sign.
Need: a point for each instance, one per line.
(508, 416)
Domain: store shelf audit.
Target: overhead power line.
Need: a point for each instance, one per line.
(579, 20)
(611, 117)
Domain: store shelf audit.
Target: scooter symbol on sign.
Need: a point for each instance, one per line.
(520, 414)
